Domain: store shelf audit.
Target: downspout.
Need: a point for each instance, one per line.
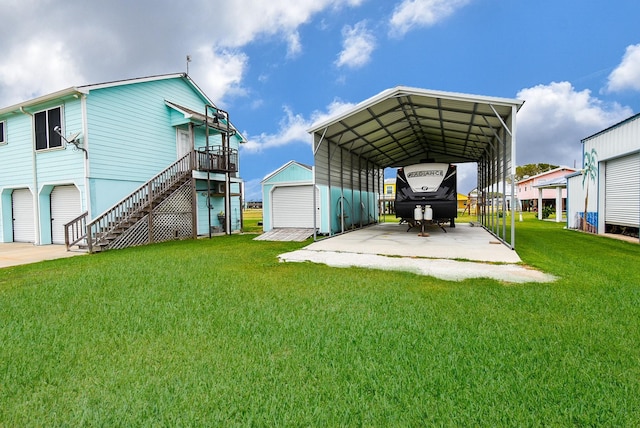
(34, 170)
(85, 133)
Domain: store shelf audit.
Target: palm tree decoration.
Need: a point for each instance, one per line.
(590, 170)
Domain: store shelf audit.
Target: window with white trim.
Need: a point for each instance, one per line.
(389, 190)
(45, 122)
(3, 132)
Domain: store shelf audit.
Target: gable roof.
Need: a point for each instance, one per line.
(85, 89)
(285, 166)
(551, 171)
(403, 125)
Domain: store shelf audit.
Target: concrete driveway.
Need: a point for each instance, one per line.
(19, 253)
(465, 251)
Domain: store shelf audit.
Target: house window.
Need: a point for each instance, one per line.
(389, 190)
(45, 123)
(3, 136)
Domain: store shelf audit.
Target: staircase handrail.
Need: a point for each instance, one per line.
(139, 199)
(78, 228)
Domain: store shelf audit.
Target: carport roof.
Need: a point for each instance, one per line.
(403, 125)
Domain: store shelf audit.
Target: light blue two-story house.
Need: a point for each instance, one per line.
(117, 164)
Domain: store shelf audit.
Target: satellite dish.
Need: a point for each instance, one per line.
(73, 137)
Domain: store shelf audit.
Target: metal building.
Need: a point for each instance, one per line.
(403, 126)
(605, 196)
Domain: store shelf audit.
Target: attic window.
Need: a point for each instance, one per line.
(45, 122)
(3, 136)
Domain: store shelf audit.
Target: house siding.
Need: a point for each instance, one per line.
(17, 153)
(131, 135)
(129, 130)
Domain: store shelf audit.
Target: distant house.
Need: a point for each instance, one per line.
(604, 196)
(544, 189)
(388, 199)
(463, 200)
(126, 162)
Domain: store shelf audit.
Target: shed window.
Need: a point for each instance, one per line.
(389, 190)
(45, 123)
(3, 137)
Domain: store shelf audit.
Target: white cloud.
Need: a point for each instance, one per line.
(627, 74)
(241, 21)
(36, 67)
(294, 45)
(555, 118)
(107, 44)
(357, 46)
(421, 13)
(292, 128)
(219, 72)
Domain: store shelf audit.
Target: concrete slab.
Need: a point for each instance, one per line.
(285, 234)
(389, 246)
(463, 242)
(19, 253)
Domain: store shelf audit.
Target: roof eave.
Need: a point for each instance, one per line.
(64, 93)
(406, 90)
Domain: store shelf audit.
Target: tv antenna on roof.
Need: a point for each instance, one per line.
(188, 61)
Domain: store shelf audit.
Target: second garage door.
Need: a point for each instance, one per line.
(65, 206)
(293, 206)
(622, 191)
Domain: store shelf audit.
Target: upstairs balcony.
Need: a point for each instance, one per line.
(217, 159)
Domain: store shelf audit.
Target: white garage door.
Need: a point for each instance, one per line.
(65, 206)
(22, 214)
(292, 206)
(622, 191)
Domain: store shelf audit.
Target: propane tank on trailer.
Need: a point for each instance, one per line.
(428, 213)
(417, 213)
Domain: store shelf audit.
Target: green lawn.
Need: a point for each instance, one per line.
(218, 332)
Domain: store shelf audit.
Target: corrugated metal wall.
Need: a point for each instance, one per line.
(354, 183)
(616, 141)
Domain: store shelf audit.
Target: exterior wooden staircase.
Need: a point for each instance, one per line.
(143, 216)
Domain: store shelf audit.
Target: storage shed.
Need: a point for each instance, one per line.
(605, 196)
(404, 126)
(287, 198)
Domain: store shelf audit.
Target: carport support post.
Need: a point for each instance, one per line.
(512, 140)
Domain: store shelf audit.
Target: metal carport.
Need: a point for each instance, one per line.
(403, 126)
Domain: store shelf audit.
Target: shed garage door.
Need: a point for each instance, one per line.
(22, 215)
(622, 191)
(293, 206)
(65, 206)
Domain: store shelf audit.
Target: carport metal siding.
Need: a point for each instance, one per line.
(404, 126)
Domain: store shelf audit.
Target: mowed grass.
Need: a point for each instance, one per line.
(219, 333)
(251, 218)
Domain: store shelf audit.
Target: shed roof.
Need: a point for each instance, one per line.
(405, 125)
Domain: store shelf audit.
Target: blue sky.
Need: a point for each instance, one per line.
(279, 66)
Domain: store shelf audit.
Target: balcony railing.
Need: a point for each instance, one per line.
(217, 159)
